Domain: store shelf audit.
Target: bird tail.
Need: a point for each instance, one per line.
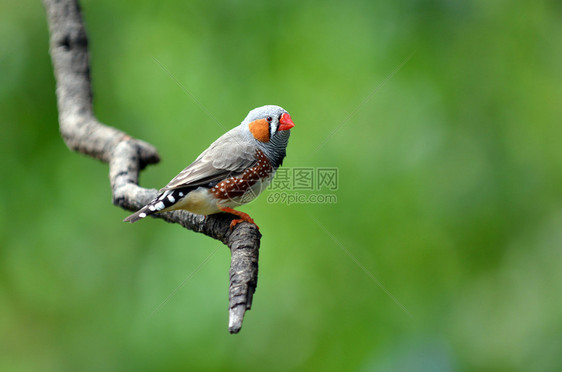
(160, 203)
(139, 215)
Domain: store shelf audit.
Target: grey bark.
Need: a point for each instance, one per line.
(127, 156)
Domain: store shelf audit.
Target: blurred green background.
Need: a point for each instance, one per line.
(450, 189)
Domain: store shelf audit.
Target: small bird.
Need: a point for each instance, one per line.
(233, 171)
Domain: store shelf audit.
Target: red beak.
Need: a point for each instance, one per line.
(286, 122)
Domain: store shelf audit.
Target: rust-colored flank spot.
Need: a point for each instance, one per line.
(237, 186)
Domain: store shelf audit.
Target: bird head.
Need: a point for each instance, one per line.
(270, 127)
(266, 122)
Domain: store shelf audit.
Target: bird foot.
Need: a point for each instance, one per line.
(244, 217)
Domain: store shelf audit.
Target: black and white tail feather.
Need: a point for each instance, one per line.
(160, 203)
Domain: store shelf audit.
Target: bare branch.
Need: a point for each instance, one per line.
(126, 156)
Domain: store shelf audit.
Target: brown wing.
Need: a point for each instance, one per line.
(228, 155)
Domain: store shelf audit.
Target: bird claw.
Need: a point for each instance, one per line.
(244, 217)
(238, 220)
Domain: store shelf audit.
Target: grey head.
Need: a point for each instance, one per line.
(269, 126)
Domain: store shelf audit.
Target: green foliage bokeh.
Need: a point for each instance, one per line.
(443, 251)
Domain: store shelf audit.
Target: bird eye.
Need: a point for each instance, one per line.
(269, 119)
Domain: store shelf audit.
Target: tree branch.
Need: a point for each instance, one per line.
(126, 156)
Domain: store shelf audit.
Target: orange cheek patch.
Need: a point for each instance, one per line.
(260, 130)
